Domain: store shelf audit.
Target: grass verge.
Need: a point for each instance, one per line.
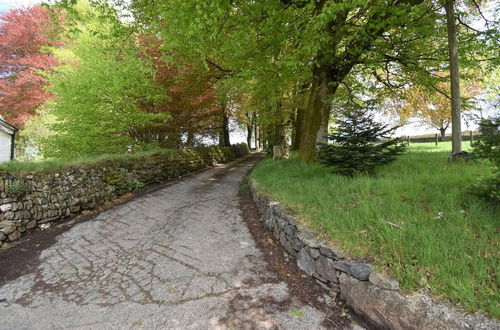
(57, 164)
(413, 219)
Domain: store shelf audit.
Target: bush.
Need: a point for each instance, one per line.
(360, 144)
(16, 189)
(487, 188)
(488, 148)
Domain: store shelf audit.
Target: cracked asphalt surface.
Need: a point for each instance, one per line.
(180, 257)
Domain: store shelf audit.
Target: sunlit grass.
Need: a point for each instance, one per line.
(52, 165)
(413, 219)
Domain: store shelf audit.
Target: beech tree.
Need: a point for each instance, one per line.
(26, 39)
(100, 91)
(324, 39)
(192, 102)
(327, 45)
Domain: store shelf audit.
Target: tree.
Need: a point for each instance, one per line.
(429, 106)
(325, 43)
(31, 137)
(454, 77)
(100, 92)
(191, 103)
(26, 39)
(360, 144)
(488, 147)
(323, 40)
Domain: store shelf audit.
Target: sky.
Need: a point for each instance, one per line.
(6, 5)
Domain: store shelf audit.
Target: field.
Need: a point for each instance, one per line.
(413, 220)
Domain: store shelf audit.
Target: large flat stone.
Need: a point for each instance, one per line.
(325, 268)
(387, 309)
(6, 223)
(306, 262)
(330, 252)
(9, 229)
(309, 239)
(359, 270)
(384, 281)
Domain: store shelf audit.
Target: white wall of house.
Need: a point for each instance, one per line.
(5, 141)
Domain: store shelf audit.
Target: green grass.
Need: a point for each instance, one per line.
(54, 165)
(393, 220)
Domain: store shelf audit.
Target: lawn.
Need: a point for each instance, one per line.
(413, 220)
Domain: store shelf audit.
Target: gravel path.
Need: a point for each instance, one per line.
(180, 257)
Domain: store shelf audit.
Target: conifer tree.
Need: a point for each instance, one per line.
(360, 144)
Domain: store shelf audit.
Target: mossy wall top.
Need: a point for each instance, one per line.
(31, 198)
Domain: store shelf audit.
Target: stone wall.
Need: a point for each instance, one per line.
(38, 198)
(373, 295)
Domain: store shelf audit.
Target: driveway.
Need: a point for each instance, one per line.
(179, 257)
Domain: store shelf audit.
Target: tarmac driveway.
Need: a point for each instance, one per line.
(179, 257)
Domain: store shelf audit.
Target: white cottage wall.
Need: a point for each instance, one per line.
(5, 141)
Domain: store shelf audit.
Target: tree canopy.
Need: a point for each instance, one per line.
(26, 39)
(325, 44)
(176, 72)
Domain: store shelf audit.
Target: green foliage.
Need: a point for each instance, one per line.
(16, 188)
(99, 92)
(487, 188)
(296, 312)
(488, 147)
(360, 144)
(29, 140)
(271, 51)
(452, 256)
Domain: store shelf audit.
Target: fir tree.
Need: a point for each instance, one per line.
(360, 144)
(488, 147)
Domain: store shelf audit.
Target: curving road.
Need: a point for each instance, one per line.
(180, 257)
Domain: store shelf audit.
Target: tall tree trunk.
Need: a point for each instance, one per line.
(317, 106)
(280, 145)
(249, 135)
(297, 132)
(256, 137)
(190, 139)
(261, 139)
(322, 136)
(268, 138)
(224, 132)
(174, 140)
(249, 125)
(443, 134)
(456, 123)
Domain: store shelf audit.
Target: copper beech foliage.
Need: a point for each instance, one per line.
(192, 101)
(26, 36)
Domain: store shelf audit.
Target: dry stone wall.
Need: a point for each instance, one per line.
(373, 295)
(39, 198)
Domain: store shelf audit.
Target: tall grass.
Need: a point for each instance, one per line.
(56, 164)
(413, 219)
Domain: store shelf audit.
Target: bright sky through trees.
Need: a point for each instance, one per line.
(6, 5)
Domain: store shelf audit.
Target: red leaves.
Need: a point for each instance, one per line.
(25, 35)
(191, 97)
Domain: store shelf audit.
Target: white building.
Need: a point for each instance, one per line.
(7, 135)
